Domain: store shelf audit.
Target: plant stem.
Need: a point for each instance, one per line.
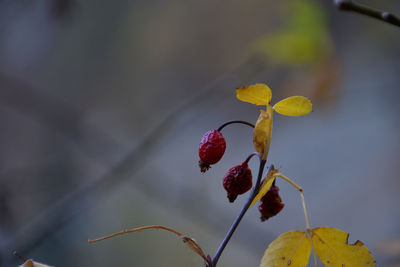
(305, 211)
(303, 202)
(231, 122)
(348, 5)
(241, 214)
(136, 230)
(252, 155)
(314, 255)
(289, 181)
(190, 242)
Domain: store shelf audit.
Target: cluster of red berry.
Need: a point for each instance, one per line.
(238, 179)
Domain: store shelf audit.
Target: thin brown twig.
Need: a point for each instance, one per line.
(137, 229)
(190, 242)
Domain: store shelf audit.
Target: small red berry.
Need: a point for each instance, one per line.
(212, 148)
(237, 181)
(271, 203)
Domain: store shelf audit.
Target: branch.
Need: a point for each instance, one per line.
(190, 242)
(241, 214)
(231, 122)
(349, 5)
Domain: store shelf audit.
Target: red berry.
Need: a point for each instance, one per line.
(237, 181)
(212, 148)
(271, 203)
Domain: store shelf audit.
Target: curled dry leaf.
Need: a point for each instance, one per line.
(262, 132)
(192, 244)
(266, 185)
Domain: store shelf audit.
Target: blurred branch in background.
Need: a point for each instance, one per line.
(55, 114)
(61, 118)
(349, 5)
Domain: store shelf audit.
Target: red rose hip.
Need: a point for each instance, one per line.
(211, 149)
(271, 203)
(237, 181)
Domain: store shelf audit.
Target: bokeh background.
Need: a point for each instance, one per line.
(103, 104)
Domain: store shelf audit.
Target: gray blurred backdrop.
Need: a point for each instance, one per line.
(103, 104)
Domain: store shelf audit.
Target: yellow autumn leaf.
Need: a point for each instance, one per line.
(293, 106)
(289, 249)
(332, 248)
(266, 185)
(258, 94)
(262, 132)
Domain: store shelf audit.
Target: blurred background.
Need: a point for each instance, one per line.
(103, 104)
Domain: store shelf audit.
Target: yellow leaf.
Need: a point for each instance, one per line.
(262, 132)
(331, 246)
(289, 249)
(266, 185)
(293, 106)
(258, 94)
